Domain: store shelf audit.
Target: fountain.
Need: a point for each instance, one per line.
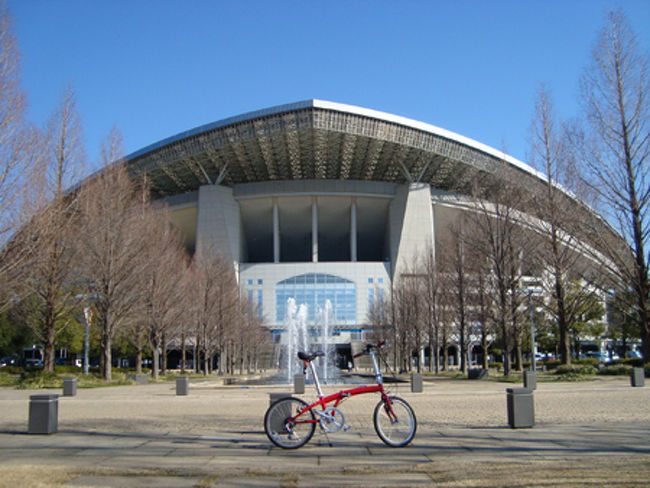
(300, 337)
(297, 336)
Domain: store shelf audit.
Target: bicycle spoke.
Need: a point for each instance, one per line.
(281, 430)
(395, 425)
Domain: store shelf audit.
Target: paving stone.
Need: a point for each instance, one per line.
(135, 481)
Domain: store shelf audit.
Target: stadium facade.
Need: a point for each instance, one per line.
(319, 201)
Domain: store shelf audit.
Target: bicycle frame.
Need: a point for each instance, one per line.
(339, 396)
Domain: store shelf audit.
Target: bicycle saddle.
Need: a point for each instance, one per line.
(310, 357)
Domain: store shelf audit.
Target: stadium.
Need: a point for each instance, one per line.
(319, 201)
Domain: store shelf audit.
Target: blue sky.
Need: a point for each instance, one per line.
(156, 68)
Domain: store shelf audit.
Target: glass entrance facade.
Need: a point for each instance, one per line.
(313, 290)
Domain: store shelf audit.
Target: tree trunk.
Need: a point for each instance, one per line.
(155, 359)
(484, 346)
(183, 352)
(163, 346)
(138, 350)
(107, 357)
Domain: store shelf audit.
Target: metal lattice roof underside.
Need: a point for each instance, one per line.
(310, 140)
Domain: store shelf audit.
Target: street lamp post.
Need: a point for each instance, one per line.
(533, 346)
(88, 314)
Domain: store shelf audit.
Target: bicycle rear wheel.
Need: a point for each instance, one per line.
(395, 425)
(285, 434)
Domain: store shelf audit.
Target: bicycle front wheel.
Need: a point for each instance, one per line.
(395, 424)
(281, 430)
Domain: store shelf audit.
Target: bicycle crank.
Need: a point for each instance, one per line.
(331, 420)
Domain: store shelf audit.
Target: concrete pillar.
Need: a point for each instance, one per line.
(416, 383)
(218, 227)
(410, 226)
(530, 379)
(182, 385)
(637, 377)
(314, 230)
(43, 414)
(521, 407)
(69, 386)
(276, 232)
(299, 384)
(353, 230)
(274, 397)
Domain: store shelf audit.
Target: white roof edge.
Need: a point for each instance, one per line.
(341, 107)
(423, 126)
(221, 123)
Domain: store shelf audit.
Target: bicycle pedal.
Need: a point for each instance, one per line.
(346, 428)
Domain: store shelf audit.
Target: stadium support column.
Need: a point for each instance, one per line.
(218, 227)
(276, 232)
(314, 230)
(353, 230)
(410, 226)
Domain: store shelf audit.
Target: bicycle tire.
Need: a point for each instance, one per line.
(397, 433)
(283, 435)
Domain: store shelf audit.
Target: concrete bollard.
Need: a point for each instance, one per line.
(43, 414)
(274, 397)
(521, 408)
(139, 378)
(69, 386)
(416, 383)
(299, 384)
(182, 385)
(530, 379)
(637, 377)
(476, 373)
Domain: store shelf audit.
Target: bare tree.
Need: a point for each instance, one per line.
(249, 336)
(615, 93)
(48, 271)
(500, 240)
(216, 298)
(432, 305)
(111, 247)
(163, 271)
(18, 150)
(458, 279)
(558, 217)
(483, 307)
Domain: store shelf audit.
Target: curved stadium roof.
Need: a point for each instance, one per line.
(316, 139)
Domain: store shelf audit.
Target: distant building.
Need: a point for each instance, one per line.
(319, 201)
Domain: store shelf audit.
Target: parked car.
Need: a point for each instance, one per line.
(9, 361)
(603, 357)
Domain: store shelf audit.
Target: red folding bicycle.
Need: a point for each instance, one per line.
(290, 422)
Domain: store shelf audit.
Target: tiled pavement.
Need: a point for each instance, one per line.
(242, 458)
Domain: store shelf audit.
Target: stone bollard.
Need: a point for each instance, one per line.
(530, 379)
(69, 386)
(139, 378)
(182, 385)
(43, 414)
(416, 383)
(299, 384)
(521, 407)
(476, 373)
(637, 377)
(274, 397)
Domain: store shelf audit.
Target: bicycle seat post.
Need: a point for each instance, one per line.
(316, 382)
(378, 376)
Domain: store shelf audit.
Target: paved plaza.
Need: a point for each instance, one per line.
(591, 433)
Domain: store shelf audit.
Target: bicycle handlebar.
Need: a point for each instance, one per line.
(369, 347)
